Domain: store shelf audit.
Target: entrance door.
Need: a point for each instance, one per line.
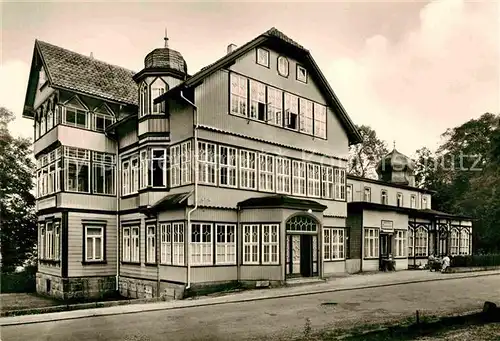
(300, 258)
(385, 247)
(306, 256)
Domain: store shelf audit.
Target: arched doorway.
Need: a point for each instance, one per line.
(302, 252)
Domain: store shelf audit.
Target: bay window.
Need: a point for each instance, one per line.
(319, 120)
(158, 88)
(282, 175)
(298, 178)
(207, 163)
(143, 99)
(48, 174)
(50, 120)
(251, 244)
(313, 180)
(158, 167)
(270, 244)
(134, 175)
(145, 175)
(178, 244)
(126, 244)
(306, 116)
(333, 244)
(225, 244)
(103, 167)
(201, 244)
(367, 194)
(186, 169)
(275, 106)
(327, 187)
(257, 101)
(238, 95)
(371, 240)
(228, 166)
(77, 169)
(266, 173)
(400, 243)
(126, 177)
(94, 243)
(248, 170)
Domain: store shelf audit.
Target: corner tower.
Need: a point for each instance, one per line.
(396, 168)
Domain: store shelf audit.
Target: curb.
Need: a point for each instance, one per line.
(42, 318)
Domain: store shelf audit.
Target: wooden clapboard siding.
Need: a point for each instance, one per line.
(87, 139)
(46, 140)
(41, 95)
(181, 121)
(173, 273)
(49, 269)
(213, 274)
(154, 124)
(215, 215)
(172, 215)
(75, 246)
(374, 218)
(267, 272)
(127, 138)
(261, 215)
(86, 201)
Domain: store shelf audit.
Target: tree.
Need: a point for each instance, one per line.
(18, 232)
(363, 157)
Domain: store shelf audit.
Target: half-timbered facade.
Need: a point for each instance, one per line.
(154, 182)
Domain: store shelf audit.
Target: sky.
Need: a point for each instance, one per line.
(409, 69)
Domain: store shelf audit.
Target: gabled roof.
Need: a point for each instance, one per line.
(275, 36)
(72, 71)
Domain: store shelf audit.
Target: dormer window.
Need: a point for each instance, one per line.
(301, 74)
(143, 100)
(263, 57)
(158, 88)
(383, 197)
(42, 78)
(283, 66)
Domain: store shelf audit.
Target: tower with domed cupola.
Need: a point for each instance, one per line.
(396, 168)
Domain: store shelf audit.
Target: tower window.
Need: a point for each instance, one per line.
(144, 100)
(158, 88)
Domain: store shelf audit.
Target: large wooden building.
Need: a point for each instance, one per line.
(158, 181)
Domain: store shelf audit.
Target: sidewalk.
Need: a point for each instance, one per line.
(351, 282)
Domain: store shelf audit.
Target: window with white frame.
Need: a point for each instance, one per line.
(228, 167)
(57, 240)
(420, 237)
(201, 244)
(48, 174)
(413, 201)
(349, 193)
(126, 177)
(150, 244)
(143, 99)
(411, 242)
(263, 57)
(165, 243)
(248, 170)
(186, 163)
(75, 117)
(282, 175)
(49, 240)
(333, 244)
(50, 119)
(239, 95)
(400, 243)
(134, 174)
(399, 199)
(327, 185)
(158, 167)
(175, 166)
(101, 120)
(43, 237)
(77, 169)
(134, 245)
(158, 88)
(145, 175)
(464, 242)
(319, 120)
(383, 197)
(313, 180)
(424, 202)
(257, 101)
(251, 244)
(178, 244)
(371, 240)
(37, 128)
(126, 244)
(339, 184)
(454, 237)
(225, 244)
(368, 194)
(275, 106)
(306, 118)
(291, 111)
(298, 178)
(266, 173)
(283, 67)
(301, 74)
(43, 125)
(270, 244)
(103, 171)
(207, 163)
(94, 243)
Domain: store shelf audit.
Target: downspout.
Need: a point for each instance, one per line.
(195, 134)
(238, 257)
(117, 189)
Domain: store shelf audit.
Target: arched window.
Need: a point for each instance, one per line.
(143, 100)
(454, 236)
(301, 223)
(464, 242)
(43, 124)
(158, 88)
(421, 242)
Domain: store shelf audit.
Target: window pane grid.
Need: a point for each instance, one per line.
(228, 166)
(248, 170)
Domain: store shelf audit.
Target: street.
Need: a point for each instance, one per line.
(278, 318)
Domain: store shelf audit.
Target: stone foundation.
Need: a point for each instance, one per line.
(79, 289)
(141, 288)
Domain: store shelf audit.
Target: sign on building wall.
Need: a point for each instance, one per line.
(387, 226)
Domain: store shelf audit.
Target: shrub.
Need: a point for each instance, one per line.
(476, 260)
(19, 282)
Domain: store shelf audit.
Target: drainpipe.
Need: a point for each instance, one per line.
(117, 189)
(195, 133)
(238, 257)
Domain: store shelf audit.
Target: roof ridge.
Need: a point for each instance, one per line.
(38, 41)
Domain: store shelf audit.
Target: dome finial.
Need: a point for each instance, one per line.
(166, 38)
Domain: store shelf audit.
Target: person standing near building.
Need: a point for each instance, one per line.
(446, 263)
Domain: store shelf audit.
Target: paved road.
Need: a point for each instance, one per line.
(282, 317)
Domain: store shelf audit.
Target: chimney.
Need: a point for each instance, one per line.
(231, 48)
(91, 55)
